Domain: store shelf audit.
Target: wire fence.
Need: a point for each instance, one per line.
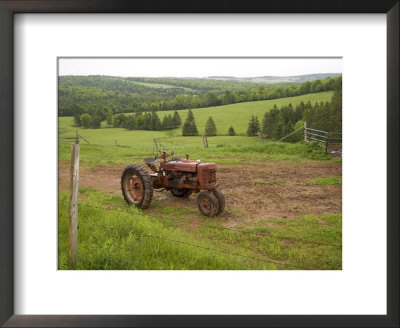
(234, 230)
(210, 249)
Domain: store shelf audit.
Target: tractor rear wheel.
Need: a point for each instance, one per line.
(221, 200)
(184, 192)
(207, 203)
(136, 185)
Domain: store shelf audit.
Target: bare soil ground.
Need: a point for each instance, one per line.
(282, 192)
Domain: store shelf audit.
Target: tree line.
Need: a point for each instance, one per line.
(278, 123)
(126, 95)
(138, 121)
(147, 121)
(209, 99)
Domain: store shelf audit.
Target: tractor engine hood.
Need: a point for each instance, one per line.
(185, 165)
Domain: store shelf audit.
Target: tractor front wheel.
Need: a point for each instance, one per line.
(136, 185)
(184, 192)
(207, 203)
(221, 200)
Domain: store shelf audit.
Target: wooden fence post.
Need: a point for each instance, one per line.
(73, 204)
(305, 131)
(205, 141)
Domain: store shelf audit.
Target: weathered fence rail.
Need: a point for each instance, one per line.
(331, 142)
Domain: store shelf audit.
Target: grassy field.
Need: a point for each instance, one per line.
(122, 238)
(168, 236)
(118, 146)
(229, 150)
(238, 115)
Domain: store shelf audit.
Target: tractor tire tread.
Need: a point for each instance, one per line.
(213, 200)
(221, 200)
(142, 173)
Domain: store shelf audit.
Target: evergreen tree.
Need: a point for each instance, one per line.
(139, 122)
(257, 126)
(298, 136)
(130, 123)
(279, 126)
(231, 131)
(300, 111)
(165, 123)
(211, 129)
(146, 121)
(190, 128)
(187, 129)
(155, 124)
(289, 128)
(177, 120)
(254, 126)
(267, 124)
(168, 122)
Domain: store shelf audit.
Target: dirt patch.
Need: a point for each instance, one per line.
(103, 178)
(283, 193)
(287, 242)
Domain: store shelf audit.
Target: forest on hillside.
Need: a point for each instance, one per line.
(99, 95)
(278, 123)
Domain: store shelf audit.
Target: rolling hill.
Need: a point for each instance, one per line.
(295, 79)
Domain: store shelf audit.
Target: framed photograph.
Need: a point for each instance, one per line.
(214, 164)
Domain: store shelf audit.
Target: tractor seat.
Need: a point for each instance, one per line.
(150, 160)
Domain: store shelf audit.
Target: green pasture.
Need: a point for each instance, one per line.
(224, 150)
(117, 145)
(238, 115)
(113, 236)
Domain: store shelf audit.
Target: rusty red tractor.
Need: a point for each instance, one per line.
(180, 176)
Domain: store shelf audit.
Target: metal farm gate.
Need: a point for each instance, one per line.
(331, 142)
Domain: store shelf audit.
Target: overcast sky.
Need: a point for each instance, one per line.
(198, 67)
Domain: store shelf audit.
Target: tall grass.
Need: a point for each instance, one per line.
(253, 151)
(125, 239)
(122, 238)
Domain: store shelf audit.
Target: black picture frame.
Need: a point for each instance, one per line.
(7, 10)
